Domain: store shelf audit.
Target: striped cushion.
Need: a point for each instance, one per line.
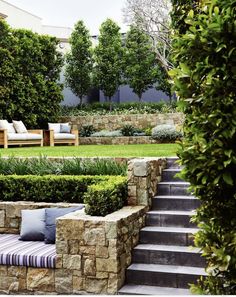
(14, 252)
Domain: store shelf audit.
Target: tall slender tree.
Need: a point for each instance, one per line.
(139, 61)
(108, 59)
(79, 62)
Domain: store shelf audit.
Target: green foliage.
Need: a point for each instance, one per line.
(121, 108)
(109, 194)
(205, 80)
(166, 133)
(139, 61)
(106, 133)
(163, 83)
(106, 197)
(75, 166)
(108, 59)
(79, 62)
(29, 73)
(128, 130)
(86, 131)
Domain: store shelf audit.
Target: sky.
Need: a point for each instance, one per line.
(66, 12)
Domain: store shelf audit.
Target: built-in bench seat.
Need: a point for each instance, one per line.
(14, 252)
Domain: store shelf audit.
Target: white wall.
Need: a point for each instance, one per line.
(19, 18)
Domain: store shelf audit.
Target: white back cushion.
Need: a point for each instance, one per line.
(20, 127)
(55, 127)
(9, 126)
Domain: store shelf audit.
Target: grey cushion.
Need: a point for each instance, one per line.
(65, 128)
(50, 220)
(32, 225)
(64, 136)
(24, 136)
(19, 127)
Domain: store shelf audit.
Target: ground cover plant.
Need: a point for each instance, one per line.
(205, 79)
(121, 108)
(44, 166)
(129, 151)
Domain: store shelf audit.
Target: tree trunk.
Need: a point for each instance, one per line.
(110, 100)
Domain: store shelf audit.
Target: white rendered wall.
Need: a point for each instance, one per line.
(19, 18)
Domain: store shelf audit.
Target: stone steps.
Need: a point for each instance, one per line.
(170, 218)
(166, 254)
(163, 275)
(151, 290)
(163, 263)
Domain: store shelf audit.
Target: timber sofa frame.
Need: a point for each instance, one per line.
(5, 142)
(50, 140)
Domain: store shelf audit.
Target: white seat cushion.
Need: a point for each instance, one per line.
(64, 136)
(55, 127)
(24, 136)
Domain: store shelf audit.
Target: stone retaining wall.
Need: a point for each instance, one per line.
(92, 252)
(10, 213)
(114, 122)
(143, 176)
(118, 140)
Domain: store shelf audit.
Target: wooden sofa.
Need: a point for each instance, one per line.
(33, 137)
(51, 138)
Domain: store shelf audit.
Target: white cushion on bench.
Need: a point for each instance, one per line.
(14, 252)
(64, 136)
(24, 136)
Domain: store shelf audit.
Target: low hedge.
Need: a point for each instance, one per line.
(104, 194)
(106, 197)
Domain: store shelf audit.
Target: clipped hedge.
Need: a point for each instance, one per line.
(106, 197)
(103, 194)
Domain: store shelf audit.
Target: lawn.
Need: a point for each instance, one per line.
(139, 150)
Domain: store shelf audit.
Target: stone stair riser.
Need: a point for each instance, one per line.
(172, 190)
(177, 204)
(161, 279)
(168, 238)
(168, 258)
(165, 220)
(170, 176)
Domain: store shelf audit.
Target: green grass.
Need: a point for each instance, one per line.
(139, 150)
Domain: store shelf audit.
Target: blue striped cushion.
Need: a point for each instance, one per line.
(14, 252)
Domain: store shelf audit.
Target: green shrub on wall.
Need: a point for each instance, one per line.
(29, 88)
(103, 194)
(205, 80)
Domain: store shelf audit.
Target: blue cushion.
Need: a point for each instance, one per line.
(32, 225)
(50, 221)
(64, 128)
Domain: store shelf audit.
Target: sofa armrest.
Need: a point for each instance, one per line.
(76, 133)
(3, 138)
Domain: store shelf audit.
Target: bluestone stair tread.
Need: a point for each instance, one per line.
(172, 169)
(175, 197)
(172, 212)
(171, 248)
(175, 183)
(188, 270)
(151, 290)
(170, 229)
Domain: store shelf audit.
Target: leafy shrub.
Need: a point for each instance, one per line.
(121, 108)
(29, 76)
(106, 197)
(204, 52)
(166, 133)
(148, 131)
(109, 194)
(128, 130)
(86, 131)
(76, 166)
(105, 133)
(48, 188)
